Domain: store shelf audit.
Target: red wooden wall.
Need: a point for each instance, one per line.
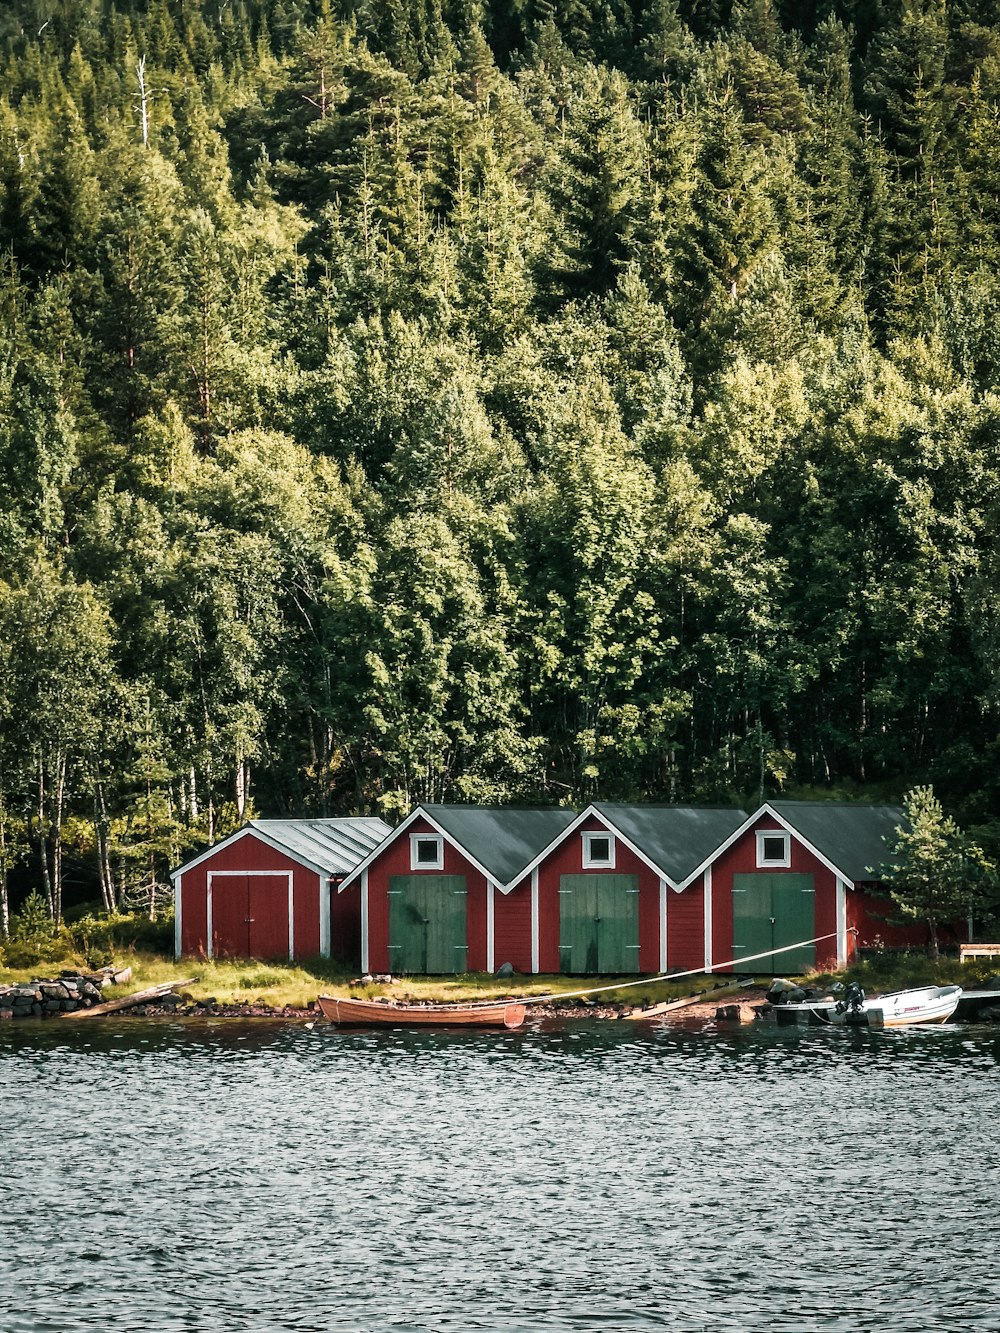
(394, 859)
(512, 927)
(567, 859)
(249, 853)
(741, 859)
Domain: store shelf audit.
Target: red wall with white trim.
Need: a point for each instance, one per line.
(566, 858)
(244, 855)
(741, 859)
(394, 859)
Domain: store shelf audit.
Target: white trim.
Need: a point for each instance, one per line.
(418, 813)
(291, 917)
(589, 862)
(663, 925)
(784, 863)
(178, 891)
(251, 874)
(769, 811)
(324, 916)
(841, 923)
(364, 919)
(707, 905)
(534, 921)
(268, 841)
(591, 812)
(491, 965)
(437, 840)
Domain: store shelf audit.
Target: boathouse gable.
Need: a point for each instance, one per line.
(264, 891)
(798, 870)
(610, 894)
(437, 890)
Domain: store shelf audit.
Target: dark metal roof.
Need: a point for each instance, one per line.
(676, 838)
(854, 838)
(335, 845)
(503, 841)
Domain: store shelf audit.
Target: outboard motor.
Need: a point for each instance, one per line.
(853, 999)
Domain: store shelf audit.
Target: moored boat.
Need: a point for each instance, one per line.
(376, 1013)
(922, 1004)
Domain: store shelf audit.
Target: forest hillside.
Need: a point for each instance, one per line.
(509, 401)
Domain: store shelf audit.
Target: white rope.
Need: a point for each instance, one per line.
(675, 976)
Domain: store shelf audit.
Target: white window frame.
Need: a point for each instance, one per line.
(786, 860)
(589, 863)
(438, 862)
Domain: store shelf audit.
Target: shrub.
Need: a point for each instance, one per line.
(33, 939)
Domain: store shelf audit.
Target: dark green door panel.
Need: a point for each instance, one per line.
(427, 927)
(793, 902)
(770, 911)
(752, 929)
(599, 924)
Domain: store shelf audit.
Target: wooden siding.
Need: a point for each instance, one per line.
(243, 855)
(394, 859)
(512, 927)
(741, 858)
(686, 927)
(567, 859)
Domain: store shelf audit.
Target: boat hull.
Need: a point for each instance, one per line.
(927, 1004)
(370, 1013)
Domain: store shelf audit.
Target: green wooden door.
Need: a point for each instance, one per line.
(770, 911)
(599, 924)
(427, 933)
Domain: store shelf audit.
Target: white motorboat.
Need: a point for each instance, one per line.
(923, 1004)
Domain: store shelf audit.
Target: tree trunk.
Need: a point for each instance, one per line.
(43, 847)
(4, 899)
(935, 951)
(60, 798)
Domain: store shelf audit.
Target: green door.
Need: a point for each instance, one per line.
(427, 932)
(599, 924)
(770, 911)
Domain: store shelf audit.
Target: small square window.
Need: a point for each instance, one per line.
(773, 849)
(426, 852)
(598, 851)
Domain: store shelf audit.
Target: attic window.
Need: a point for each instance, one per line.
(426, 851)
(773, 849)
(598, 851)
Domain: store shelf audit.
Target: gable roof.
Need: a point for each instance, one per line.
(504, 840)
(853, 837)
(498, 841)
(329, 846)
(848, 838)
(670, 839)
(675, 838)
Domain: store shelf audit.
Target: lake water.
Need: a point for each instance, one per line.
(160, 1177)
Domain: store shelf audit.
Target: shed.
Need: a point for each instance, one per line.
(265, 891)
(798, 870)
(432, 899)
(615, 893)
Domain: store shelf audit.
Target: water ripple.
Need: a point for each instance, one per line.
(245, 1178)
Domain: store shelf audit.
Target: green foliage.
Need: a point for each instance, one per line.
(490, 402)
(936, 872)
(33, 939)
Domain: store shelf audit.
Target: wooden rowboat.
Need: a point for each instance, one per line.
(375, 1013)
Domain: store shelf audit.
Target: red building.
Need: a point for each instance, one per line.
(800, 870)
(615, 893)
(434, 899)
(265, 891)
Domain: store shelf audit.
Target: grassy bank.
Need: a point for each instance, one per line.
(294, 985)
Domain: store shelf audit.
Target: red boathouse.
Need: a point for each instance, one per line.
(800, 870)
(265, 891)
(433, 898)
(612, 894)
